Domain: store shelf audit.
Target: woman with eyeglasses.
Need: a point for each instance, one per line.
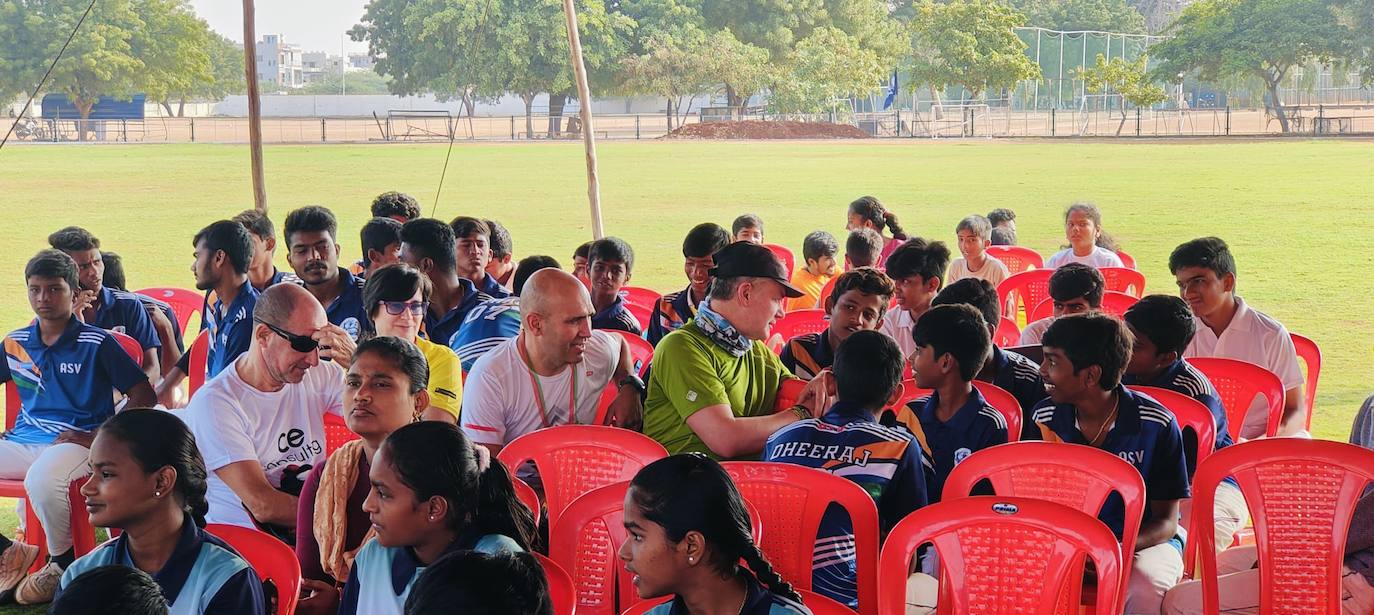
(396, 298)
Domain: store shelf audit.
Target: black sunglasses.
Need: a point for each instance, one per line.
(299, 343)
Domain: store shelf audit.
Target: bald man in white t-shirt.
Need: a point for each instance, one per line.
(1228, 328)
(553, 373)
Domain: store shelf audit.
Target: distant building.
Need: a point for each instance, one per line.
(359, 60)
(279, 62)
(315, 66)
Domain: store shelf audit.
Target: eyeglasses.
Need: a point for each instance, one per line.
(299, 343)
(396, 308)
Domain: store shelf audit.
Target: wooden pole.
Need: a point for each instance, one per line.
(584, 96)
(250, 69)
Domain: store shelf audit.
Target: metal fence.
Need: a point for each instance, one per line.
(959, 121)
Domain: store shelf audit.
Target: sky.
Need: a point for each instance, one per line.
(315, 25)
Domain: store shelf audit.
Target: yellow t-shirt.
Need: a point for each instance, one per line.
(445, 376)
(812, 285)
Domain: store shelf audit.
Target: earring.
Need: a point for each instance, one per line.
(157, 494)
(431, 517)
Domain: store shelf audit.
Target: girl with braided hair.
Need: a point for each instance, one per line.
(688, 531)
(868, 212)
(148, 479)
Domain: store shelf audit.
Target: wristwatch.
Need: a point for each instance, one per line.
(633, 380)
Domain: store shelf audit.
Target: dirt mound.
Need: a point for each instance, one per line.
(754, 129)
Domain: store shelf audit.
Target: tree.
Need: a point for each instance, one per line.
(670, 67)
(1262, 38)
(354, 82)
(1100, 15)
(175, 53)
(1128, 79)
(968, 43)
(826, 66)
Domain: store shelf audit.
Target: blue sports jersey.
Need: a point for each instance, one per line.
(204, 575)
(1183, 378)
(617, 317)
(670, 313)
(69, 385)
(123, 312)
(438, 329)
(485, 327)
(381, 577)
(230, 327)
(974, 427)
(346, 310)
(807, 354)
(168, 312)
(493, 288)
(1145, 434)
(1020, 376)
(885, 461)
(757, 601)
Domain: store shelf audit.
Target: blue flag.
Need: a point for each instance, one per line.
(891, 92)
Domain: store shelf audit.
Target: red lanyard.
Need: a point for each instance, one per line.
(539, 389)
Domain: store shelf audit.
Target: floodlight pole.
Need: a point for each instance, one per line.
(250, 69)
(584, 95)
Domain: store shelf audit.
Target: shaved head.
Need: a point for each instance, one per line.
(550, 287)
(285, 305)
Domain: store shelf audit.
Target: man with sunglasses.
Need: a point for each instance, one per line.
(260, 422)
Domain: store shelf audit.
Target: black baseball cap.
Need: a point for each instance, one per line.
(744, 259)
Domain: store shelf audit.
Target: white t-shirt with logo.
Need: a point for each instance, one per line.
(500, 403)
(281, 430)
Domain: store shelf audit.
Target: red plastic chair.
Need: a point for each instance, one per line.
(574, 459)
(1017, 258)
(641, 351)
(1073, 475)
(791, 500)
(638, 295)
(784, 254)
(336, 433)
(525, 493)
(644, 314)
(911, 392)
(1008, 334)
(1113, 303)
(130, 345)
(1190, 414)
(184, 302)
(1124, 280)
(816, 603)
(199, 362)
(1301, 494)
(826, 291)
(1126, 259)
(561, 591)
(794, 323)
(1238, 383)
(269, 557)
(1004, 402)
(586, 542)
(1002, 555)
(788, 393)
(1024, 291)
(1311, 356)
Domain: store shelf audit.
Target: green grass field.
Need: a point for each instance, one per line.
(1296, 213)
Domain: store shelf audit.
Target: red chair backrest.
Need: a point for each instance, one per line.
(1004, 402)
(784, 254)
(13, 405)
(911, 392)
(641, 351)
(638, 295)
(1190, 414)
(184, 302)
(816, 603)
(336, 433)
(1301, 494)
(1024, 291)
(1124, 280)
(269, 557)
(1008, 334)
(525, 493)
(1311, 356)
(644, 314)
(130, 345)
(1238, 383)
(1126, 259)
(561, 591)
(1002, 554)
(791, 500)
(199, 362)
(586, 542)
(788, 393)
(1017, 258)
(1077, 476)
(574, 459)
(1113, 303)
(794, 323)
(826, 291)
